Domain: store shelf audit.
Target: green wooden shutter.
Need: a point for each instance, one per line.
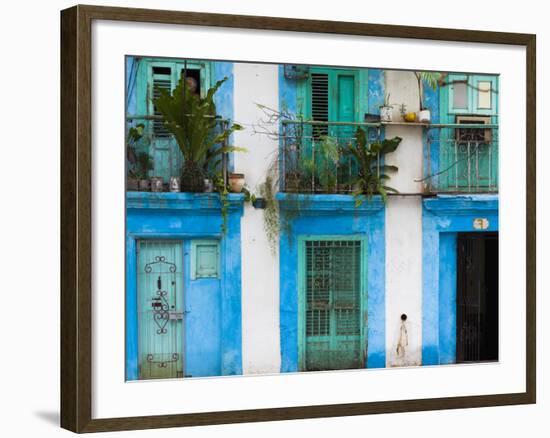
(320, 102)
(333, 272)
(161, 80)
(205, 259)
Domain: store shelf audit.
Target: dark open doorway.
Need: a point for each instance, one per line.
(477, 298)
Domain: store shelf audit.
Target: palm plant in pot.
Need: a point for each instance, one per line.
(193, 121)
(432, 79)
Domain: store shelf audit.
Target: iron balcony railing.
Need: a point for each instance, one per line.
(457, 158)
(163, 148)
(315, 156)
(461, 158)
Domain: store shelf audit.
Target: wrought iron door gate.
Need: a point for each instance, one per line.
(333, 283)
(160, 319)
(477, 297)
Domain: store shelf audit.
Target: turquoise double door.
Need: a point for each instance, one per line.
(178, 317)
(332, 278)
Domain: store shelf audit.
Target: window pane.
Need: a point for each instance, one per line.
(460, 95)
(484, 95)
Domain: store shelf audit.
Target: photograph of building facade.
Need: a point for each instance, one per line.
(365, 234)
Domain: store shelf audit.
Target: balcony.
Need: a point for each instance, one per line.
(461, 159)
(166, 159)
(315, 156)
(458, 158)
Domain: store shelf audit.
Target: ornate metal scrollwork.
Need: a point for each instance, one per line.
(159, 302)
(162, 363)
(159, 259)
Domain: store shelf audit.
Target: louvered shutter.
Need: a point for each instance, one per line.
(320, 102)
(162, 80)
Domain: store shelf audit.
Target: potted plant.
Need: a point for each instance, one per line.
(407, 116)
(323, 167)
(372, 177)
(236, 182)
(193, 121)
(135, 133)
(143, 166)
(432, 79)
(386, 110)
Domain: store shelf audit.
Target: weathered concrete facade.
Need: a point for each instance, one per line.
(409, 242)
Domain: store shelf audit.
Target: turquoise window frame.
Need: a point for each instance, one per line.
(472, 82)
(194, 265)
(302, 292)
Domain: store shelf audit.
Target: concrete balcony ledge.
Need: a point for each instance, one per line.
(191, 202)
(328, 203)
(462, 204)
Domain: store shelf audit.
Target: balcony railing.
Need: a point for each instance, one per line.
(315, 156)
(461, 158)
(161, 145)
(458, 158)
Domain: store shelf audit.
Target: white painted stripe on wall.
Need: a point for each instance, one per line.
(404, 279)
(404, 229)
(257, 83)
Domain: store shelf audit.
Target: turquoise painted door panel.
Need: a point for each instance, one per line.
(332, 97)
(160, 308)
(332, 279)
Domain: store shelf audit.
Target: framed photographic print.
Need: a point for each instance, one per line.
(267, 218)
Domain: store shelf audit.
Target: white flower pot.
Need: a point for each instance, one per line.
(424, 116)
(386, 113)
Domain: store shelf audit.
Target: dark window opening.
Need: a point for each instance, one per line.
(477, 298)
(193, 76)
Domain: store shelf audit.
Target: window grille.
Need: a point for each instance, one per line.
(333, 304)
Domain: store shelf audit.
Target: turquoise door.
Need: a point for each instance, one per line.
(160, 308)
(331, 297)
(332, 97)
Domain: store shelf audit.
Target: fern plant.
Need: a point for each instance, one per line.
(372, 176)
(193, 121)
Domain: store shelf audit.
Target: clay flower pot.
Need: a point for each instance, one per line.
(144, 185)
(236, 182)
(156, 184)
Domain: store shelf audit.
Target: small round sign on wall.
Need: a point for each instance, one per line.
(481, 223)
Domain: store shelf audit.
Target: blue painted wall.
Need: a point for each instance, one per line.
(224, 97)
(431, 156)
(442, 218)
(213, 330)
(322, 215)
(376, 89)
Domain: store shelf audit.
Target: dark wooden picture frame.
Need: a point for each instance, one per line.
(76, 217)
